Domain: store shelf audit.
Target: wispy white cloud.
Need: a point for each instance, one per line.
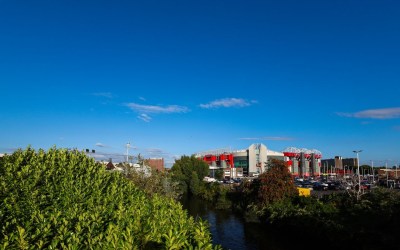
(142, 98)
(386, 113)
(176, 157)
(99, 156)
(101, 145)
(156, 152)
(170, 160)
(267, 138)
(228, 103)
(104, 94)
(365, 122)
(254, 101)
(144, 117)
(157, 108)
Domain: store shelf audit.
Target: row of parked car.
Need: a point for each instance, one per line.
(328, 184)
(231, 181)
(318, 185)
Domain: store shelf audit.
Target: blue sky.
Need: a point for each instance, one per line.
(178, 77)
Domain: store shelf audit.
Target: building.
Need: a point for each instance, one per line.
(303, 162)
(392, 174)
(338, 165)
(156, 163)
(251, 161)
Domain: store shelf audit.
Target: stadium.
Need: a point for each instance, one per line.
(252, 161)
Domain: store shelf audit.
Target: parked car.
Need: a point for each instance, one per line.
(333, 185)
(237, 180)
(307, 184)
(228, 181)
(320, 186)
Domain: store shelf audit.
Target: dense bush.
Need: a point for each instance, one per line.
(64, 200)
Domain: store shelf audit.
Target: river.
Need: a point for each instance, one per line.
(230, 230)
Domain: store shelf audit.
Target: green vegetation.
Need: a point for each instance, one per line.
(190, 171)
(155, 182)
(339, 220)
(64, 200)
(219, 174)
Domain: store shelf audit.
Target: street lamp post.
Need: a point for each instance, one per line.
(358, 169)
(373, 172)
(127, 151)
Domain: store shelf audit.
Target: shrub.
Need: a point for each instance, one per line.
(64, 200)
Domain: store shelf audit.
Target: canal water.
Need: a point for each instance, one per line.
(230, 230)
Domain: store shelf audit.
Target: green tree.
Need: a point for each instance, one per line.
(219, 174)
(276, 183)
(183, 170)
(195, 184)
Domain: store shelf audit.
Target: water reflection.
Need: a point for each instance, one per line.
(230, 230)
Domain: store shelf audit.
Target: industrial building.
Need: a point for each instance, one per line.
(253, 160)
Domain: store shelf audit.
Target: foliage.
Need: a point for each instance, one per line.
(183, 169)
(276, 183)
(155, 182)
(64, 200)
(369, 223)
(195, 184)
(217, 194)
(219, 174)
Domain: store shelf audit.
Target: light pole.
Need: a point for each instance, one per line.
(127, 150)
(373, 172)
(358, 169)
